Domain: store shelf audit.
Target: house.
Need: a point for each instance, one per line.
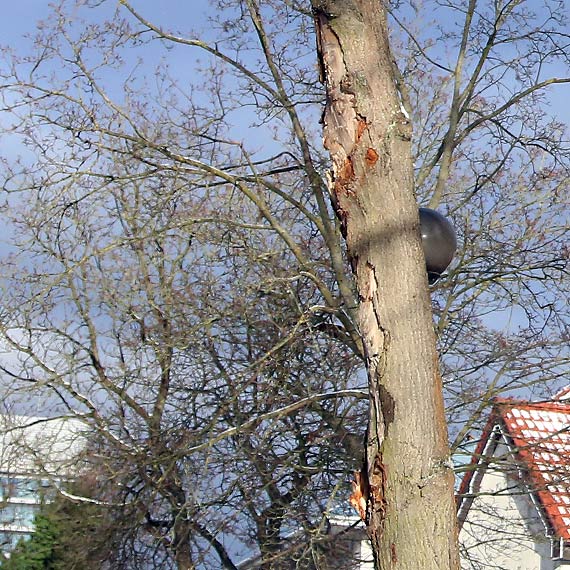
(347, 546)
(514, 499)
(36, 454)
(352, 547)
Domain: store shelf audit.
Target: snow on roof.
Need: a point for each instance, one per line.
(539, 433)
(564, 394)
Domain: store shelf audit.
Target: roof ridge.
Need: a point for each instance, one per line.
(554, 404)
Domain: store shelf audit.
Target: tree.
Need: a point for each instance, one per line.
(189, 408)
(180, 283)
(37, 553)
(188, 335)
(406, 480)
(68, 535)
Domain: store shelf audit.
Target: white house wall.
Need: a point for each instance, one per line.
(503, 530)
(35, 453)
(40, 445)
(352, 548)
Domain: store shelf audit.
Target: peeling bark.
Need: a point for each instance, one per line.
(405, 488)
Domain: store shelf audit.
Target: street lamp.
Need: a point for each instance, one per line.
(439, 242)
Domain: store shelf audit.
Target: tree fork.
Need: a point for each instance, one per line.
(406, 484)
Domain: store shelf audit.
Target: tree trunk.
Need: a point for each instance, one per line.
(406, 481)
(181, 544)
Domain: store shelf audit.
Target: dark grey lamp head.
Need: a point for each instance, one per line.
(439, 242)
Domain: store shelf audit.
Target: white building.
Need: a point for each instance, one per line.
(35, 455)
(352, 549)
(514, 501)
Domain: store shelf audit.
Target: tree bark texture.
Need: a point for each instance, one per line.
(406, 481)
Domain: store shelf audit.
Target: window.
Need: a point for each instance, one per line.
(22, 487)
(560, 549)
(8, 540)
(20, 515)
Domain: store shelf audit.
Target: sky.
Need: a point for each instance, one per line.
(20, 17)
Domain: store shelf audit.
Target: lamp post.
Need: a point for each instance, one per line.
(439, 242)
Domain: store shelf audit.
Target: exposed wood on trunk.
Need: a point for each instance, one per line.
(406, 483)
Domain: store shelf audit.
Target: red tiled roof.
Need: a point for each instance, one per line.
(540, 434)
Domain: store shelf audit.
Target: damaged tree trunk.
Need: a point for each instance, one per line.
(406, 482)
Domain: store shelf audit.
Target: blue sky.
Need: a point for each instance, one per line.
(20, 17)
